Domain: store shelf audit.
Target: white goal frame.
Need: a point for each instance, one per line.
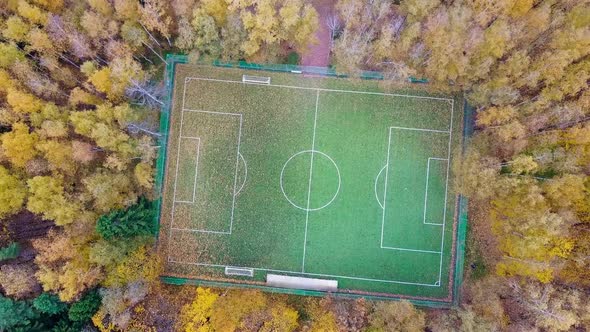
(256, 79)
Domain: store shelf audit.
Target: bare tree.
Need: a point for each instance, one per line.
(146, 93)
(333, 24)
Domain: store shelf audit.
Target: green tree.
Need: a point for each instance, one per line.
(10, 251)
(86, 307)
(16, 315)
(49, 304)
(136, 220)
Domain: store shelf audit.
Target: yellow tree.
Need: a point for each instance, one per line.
(299, 21)
(397, 316)
(230, 309)
(418, 9)
(9, 54)
(444, 35)
(16, 29)
(54, 6)
(532, 237)
(551, 307)
(114, 79)
(154, 16)
(142, 265)
(100, 125)
(103, 7)
(32, 13)
(267, 27)
(48, 198)
(196, 316)
(479, 175)
(284, 319)
(19, 145)
(144, 175)
(59, 155)
(495, 116)
(110, 190)
(98, 26)
(18, 281)
(218, 9)
(13, 193)
(64, 267)
(23, 102)
(322, 319)
(6, 81)
(567, 190)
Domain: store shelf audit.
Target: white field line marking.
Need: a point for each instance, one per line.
(198, 230)
(413, 250)
(186, 79)
(233, 204)
(196, 171)
(325, 90)
(245, 174)
(426, 192)
(385, 186)
(442, 242)
(210, 112)
(283, 187)
(421, 129)
(377, 180)
(315, 119)
(313, 274)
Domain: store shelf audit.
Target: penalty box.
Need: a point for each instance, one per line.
(207, 167)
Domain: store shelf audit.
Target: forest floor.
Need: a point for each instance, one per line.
(318, 53)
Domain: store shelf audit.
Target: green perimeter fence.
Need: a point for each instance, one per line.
(173, 59)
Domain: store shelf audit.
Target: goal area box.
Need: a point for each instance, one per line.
(309, 185)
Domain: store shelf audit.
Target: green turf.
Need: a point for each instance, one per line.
(262, 199)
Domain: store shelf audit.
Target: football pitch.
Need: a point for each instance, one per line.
(341, 180)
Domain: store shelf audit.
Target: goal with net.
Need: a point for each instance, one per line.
(255, 79)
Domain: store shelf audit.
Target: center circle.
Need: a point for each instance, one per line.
(310, 180)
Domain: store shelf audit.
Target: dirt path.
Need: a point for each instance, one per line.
(318, 54)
